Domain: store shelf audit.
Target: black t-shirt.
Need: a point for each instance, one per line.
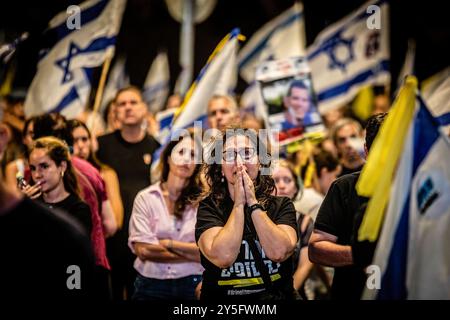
(346, 170)
(37, 246)
(337, 217)
(242, 280)
(132, 163)
(304, 235)
(76, 208)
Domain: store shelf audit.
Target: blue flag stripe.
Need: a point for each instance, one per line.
(444, 119)
(86, 16)
(323, 47)
(426, 133)
(359, 78)
(67, 100)
(393, 285)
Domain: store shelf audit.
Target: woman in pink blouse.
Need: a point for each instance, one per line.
(162, 226)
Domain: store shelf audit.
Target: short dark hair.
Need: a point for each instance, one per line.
(129, 88)
(372, 127)
(325, 159)
(296, 84)
(52, 125)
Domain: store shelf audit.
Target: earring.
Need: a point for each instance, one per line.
(222, 179)
(62, 174)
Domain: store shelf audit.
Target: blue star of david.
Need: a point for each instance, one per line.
(330, 47)
(64, 63)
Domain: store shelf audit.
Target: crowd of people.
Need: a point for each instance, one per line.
(246, 226)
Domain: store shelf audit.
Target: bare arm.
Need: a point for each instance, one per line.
(304, 267)
(221, 245)
(278, 241)
(324, 250)
(156, 253)
(10, 175)
(189, 250)
(113, 192)
(108, 220)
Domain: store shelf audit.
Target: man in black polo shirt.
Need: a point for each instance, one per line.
(129, 152)
(332, 239)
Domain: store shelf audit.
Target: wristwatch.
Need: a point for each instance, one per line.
(254, 207)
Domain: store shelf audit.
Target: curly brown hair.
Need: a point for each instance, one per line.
(218, 187)
(193, 189)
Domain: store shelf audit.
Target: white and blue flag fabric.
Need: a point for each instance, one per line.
(63, 79)
(412, 252)
(283, 37)
(350, 54)
(157, 83)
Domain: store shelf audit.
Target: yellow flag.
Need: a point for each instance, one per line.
(378, 172)
(363, 103)
(6, 86)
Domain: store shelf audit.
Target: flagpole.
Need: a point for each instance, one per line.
(101, 83)
(100, 89)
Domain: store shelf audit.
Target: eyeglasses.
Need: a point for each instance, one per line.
(246, 154)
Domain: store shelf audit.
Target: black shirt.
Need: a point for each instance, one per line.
(36, 247)
(240, 280)
(132, 163)
(346, 170)
(76, 208)
(337, 217)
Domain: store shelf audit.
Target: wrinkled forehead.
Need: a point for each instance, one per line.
(129, 95)
(237, 142)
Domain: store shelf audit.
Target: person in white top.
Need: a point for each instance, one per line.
(162, 225)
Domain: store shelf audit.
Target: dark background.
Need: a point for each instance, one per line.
(148, 27)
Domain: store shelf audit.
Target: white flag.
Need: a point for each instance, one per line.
(63, 79)
(350, 54)
(283, 37)
(412, 252)
(213, 78)
(156, 85)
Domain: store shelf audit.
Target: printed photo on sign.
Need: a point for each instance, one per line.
(288, 94)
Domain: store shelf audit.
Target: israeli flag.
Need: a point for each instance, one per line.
(156, 86)
(164, 119)
(282, 37)
(350, 54)
(218, 76)
(64, 73)
(412, 251)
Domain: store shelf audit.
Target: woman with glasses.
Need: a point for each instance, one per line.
(245, 234)
(162, 226)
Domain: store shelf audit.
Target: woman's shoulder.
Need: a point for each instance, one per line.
(278, 201)
(107, 172)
